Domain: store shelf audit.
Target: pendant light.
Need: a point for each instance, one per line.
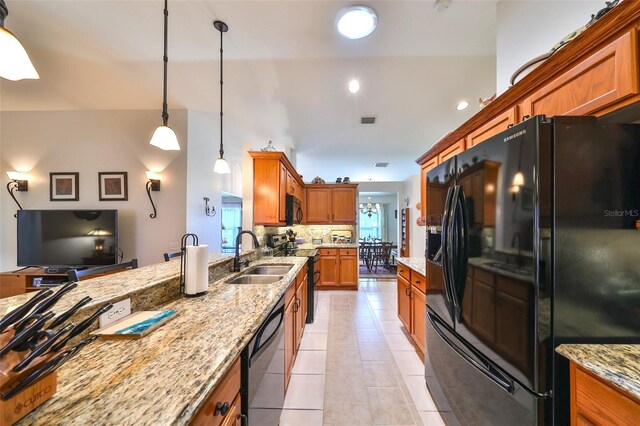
(14, 62)
(164, 137)
(221, 166)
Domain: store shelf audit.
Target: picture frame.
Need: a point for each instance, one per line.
(64, 186)
(112, 186)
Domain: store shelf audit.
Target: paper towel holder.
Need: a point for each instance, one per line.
(183, 264)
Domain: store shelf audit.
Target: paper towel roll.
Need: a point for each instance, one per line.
(196, 274)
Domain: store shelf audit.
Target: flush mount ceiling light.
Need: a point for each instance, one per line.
(357, 21)
(164, 137)
(221, 166)
(354, 86)
(14, 62)
(462, 105)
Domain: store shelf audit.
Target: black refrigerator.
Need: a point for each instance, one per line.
(533, 240)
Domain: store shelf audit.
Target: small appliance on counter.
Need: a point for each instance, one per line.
(281, 248)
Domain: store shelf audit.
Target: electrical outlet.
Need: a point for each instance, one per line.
(174, 246)
(120, 310)
(324, 232)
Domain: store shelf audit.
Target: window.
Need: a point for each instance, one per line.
(369, 226)
(231, 226)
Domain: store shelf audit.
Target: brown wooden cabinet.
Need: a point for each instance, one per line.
(226, 393)
(273, 178)
(404, 302)
(331, 203)
(493, 127)
(451, 151)
(412, 304)
(595, 401)
(338, 268)
(418, 317)
(295, 317)
(608, 76)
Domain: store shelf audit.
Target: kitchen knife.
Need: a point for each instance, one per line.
(23, 335)
(82, 327)
(48, 303)
(43, 347)
(23, 309)
(59, 320)
(48, 367)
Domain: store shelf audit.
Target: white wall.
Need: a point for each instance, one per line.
(89, 142)
(417, 233)
(202, 182)
(527, 29)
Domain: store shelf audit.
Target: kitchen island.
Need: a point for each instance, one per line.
(165, 377)
(605, 383)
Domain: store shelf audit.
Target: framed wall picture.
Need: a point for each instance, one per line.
(63, 186)
(113, 186)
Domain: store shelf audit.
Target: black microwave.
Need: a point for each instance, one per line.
(293, 210)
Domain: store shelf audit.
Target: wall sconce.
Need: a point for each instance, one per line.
(209, 211)
(18, 182)
(153, 184)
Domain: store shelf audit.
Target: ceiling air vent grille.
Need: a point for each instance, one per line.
(380, 164)
(368, 120)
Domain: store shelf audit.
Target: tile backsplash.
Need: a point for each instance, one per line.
(308, 232)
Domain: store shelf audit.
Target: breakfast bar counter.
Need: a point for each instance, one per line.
(165, 377)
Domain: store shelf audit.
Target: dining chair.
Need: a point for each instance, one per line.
(76, 274)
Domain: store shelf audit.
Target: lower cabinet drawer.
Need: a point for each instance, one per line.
(328, 252)
(233, 416)
(348, 252)
(600, 403)
(404, 272)
(222, 401)
(419, 281)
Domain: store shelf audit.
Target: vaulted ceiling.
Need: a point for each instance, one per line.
(286, 71)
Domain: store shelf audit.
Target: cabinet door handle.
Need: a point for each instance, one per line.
(406, 292)
(293, 190)
(221, 409)
(525, 117)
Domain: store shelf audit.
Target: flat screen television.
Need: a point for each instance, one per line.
(67, 238)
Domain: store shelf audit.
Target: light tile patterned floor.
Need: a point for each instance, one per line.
(357, 366)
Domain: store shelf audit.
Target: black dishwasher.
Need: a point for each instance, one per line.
(263, 371)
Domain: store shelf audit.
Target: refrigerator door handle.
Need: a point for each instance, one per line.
(461, 238)
(450, 248)
(443, 244)
(496, 377)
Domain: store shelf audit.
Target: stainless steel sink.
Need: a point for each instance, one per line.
(272, 269)
(255, 279)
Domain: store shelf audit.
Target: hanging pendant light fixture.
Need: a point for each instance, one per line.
(221, 166)
(14, 62)
(164, 137)
(369, 209)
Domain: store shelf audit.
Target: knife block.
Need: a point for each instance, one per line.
(28, 400)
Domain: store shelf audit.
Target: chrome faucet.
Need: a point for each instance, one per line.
(236, 260)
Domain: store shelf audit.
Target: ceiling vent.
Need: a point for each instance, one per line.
(368, 120)
(380, 164)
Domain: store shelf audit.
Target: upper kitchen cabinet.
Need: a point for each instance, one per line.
(331, 203)
(451, 151)
(426, 167)
(273, 178)
(493, 127)
(605, 78)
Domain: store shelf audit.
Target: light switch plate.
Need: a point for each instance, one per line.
(120, 310)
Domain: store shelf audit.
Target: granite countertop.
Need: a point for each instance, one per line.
(165, 377)
(418, 264)
(308, 246)
(617, 364)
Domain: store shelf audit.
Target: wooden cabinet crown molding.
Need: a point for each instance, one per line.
(280, 156)
(623, 18)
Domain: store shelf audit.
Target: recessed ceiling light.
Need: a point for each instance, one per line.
(357, 21)
(354, 86)
(462, 105)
